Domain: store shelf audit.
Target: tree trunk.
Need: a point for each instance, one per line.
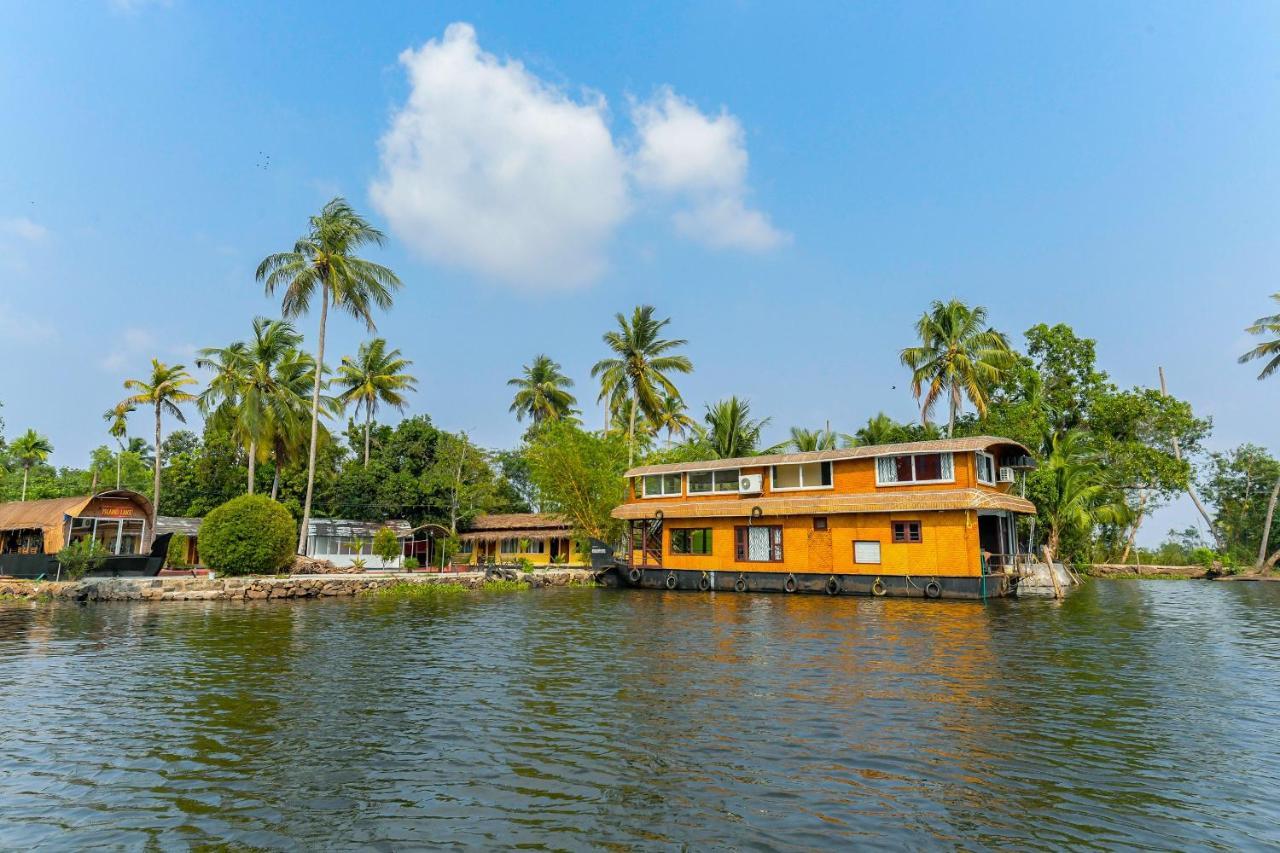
(119, 460)
(1266, 527)
(275, 479)
(315, 421)
(631, 434)
(26, 469)
(1133, 531)
(955, 406)
(368, 417)
(253, 458)
(93, 487)
(1191, 488)
(155, 488)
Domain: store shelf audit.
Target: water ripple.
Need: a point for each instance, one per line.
(1136, 715)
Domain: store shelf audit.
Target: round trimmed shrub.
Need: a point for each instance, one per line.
(248, 535)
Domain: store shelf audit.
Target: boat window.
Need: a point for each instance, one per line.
(691, 541)
(758, 544)
(906, 531)
(866, 551)
(915, 468)
(702, 482)
(661, 485)
(819, 522)
(805, 475)
(986, 467)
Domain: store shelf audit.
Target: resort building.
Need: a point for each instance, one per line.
(189, 528)
(33, 532)
(932, 519)
(341, 542)
(541, 539)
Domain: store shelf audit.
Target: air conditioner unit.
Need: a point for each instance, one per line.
(751, 484)
(1006, 475)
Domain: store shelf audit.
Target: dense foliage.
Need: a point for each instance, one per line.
(248, 535)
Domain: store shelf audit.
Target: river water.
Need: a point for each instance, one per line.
(1135, 714)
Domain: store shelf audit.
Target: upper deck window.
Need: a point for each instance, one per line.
(915, 468)
(705, 482)
(986, 468)
(806, 475)
(661, 485)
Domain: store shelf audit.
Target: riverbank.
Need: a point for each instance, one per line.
(1118, 571)
(262, 588)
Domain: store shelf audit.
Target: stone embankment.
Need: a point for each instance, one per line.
(258, 588)
(1116, 570)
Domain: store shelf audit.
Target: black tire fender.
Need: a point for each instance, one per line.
(933, 589)
(704, 582)
(634, 575)
(790, 583)
(672, 581)
(741, 583)
(833, 585)
(878, 588)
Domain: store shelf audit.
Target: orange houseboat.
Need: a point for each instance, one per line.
(930, 519)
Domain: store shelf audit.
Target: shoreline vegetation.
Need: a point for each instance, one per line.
(282, 423)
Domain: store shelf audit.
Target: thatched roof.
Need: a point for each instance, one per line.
(178, 524)
(956, 445)
(49, 514)
(516, 525)
(922, 501)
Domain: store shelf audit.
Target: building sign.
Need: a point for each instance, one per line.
(116, 512)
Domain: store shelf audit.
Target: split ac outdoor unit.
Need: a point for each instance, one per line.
(1006, 475)
(751, 484)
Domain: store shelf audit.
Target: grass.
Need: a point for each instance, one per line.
(410, 591)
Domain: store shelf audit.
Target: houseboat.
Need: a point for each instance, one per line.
(540, 538)
(33, 532)
(930, 519)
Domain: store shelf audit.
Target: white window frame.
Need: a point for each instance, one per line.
(715, 476)
(977, 468)
(644, 493)
(879, 552)
(773, 477)
(951, 479)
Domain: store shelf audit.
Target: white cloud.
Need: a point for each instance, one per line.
(26, 229)
(491, 169)
(133, 346)
(702, 161)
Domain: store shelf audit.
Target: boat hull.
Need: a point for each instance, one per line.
(878, 585)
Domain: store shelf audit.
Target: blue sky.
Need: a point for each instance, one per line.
(791, 184)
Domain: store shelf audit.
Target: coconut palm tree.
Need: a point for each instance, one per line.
(1077, 497)
(640, 367)
(673, 416)
(290, 427)
(880, 429)
(959, 355)
(30, 448)
(542, 392)
(375, 376)
(324, 262)
(732, 432)
(803, 440)
(162, 390)
(1268, 349)
(117, 418)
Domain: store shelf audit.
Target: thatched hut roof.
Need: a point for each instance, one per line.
(954, 445)
(922, 501)
(49, 514)
(516, 525)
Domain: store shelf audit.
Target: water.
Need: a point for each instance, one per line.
(1137, 715)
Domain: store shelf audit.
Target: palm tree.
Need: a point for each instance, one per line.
(1076, 497)
(638, 371)
(29, 449)
(803, 440)
(1267, 349)
(732, 432)
(543, 392)
(958, 355)
(673, 416)
(163, 390)
(880, 429)
(289, 435)
(374, 377)
(117, 418)
(324, 261)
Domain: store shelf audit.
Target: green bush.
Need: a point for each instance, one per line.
(176, 557)
(386, 546)
(410, 563)
(248, 535)
(81, 557)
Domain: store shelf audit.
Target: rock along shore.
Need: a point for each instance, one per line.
(258, 588)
